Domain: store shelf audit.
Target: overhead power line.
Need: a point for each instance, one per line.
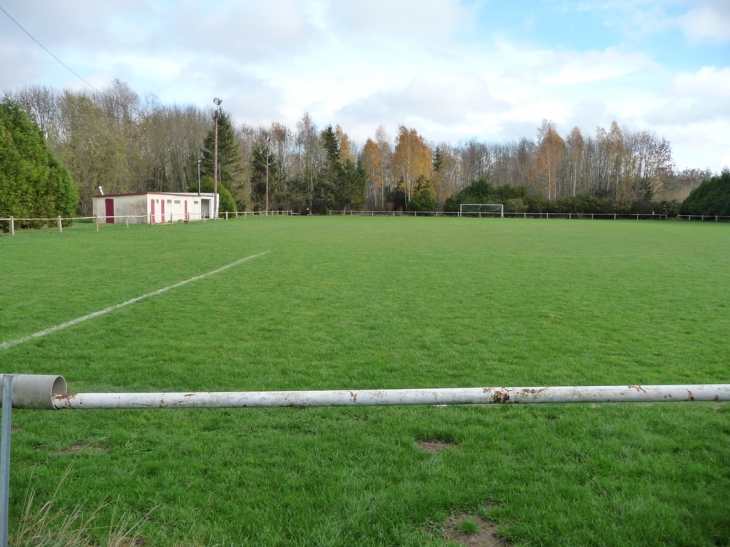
(46, 49)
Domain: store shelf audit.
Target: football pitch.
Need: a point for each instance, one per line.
(369, 303)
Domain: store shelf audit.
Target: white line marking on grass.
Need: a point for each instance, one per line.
(11, 343)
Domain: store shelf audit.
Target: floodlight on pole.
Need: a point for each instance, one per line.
(216, 115)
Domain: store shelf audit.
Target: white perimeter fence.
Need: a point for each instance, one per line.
(498, 214)
(171, 218)
(49, 392)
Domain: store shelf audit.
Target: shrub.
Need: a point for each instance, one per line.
(712, 197)
(423, 200)
(515, 205)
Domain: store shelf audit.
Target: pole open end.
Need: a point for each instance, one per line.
(35, 390)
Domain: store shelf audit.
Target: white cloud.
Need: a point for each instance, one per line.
(695, 97)
(422, 18)
(709, 20)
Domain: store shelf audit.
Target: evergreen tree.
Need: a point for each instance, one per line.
(438, 160)
(226, 201)
(33, 183)
(351, 188)
(424, 198)
(712, 197)
(341, 183)
(230, 166)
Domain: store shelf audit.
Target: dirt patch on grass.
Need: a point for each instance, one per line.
(435, 446)
(98, 449)
(473, 531)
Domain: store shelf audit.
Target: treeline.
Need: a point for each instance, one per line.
(127, 143)
(519, 199)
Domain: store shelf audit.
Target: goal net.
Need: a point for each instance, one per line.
(481, 210)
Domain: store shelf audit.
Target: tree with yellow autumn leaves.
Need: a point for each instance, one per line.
(411, 160)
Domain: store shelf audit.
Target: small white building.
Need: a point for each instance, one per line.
(154, 207)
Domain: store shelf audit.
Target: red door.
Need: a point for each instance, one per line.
(152, 211)
(109, 204)
(162, 211)
(186, 211)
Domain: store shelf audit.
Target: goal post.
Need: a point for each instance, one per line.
(476, 209)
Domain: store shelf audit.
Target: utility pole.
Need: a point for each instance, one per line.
(268, 140)
(217, 102)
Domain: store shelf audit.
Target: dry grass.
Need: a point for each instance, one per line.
(48, 526)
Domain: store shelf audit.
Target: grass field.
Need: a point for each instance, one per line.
(356, 303)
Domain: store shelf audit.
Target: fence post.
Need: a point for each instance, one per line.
(126, 220)
(12, 226)
(614, 216)
(96, 223)
(5, 435)
(226, 215)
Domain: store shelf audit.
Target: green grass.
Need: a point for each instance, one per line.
(360, 303)
(468, 526)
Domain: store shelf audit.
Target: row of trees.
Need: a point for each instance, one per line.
(127, 143)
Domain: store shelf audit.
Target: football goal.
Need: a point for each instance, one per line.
(479, 209)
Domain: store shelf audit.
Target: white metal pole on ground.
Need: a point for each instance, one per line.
(126, 220)
(60, 227)
(5, 435)
(96, 223)
(12, 226)
(392, 397)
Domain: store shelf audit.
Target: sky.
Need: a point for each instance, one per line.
(453, 69)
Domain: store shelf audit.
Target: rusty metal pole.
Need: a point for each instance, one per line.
(394, 397)
(5, 434)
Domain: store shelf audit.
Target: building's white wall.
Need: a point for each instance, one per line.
(138, 207)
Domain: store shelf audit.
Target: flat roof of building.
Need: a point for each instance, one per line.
(186, 194)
